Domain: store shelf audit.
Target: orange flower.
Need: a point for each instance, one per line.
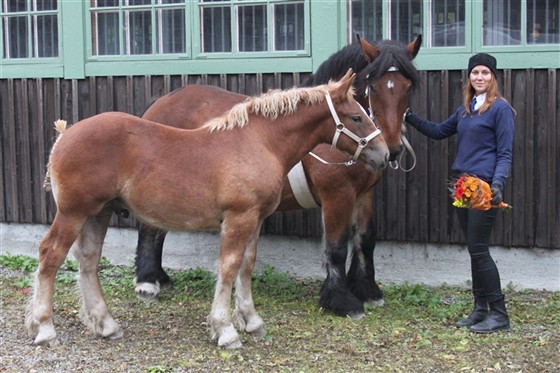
(472, 192)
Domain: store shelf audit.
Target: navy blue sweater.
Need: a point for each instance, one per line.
(484, 142)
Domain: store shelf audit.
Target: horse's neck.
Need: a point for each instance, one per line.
(297, 136)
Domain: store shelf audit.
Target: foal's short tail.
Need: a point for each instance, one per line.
(60, 127)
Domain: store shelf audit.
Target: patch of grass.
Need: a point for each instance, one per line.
(196, 282)
(414, 331)
(18, 262)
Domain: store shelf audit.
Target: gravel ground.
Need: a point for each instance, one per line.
(411, 333)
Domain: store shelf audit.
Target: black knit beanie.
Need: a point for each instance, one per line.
(483, 59)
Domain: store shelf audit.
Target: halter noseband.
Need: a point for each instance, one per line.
(340, 128)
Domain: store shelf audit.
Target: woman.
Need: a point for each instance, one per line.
(484, 127)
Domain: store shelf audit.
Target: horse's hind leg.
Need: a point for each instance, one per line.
(53, 250)
(335, 294)
(237, 232)
(94, 312)
(361, 275)
(245, 312)
(150, 276)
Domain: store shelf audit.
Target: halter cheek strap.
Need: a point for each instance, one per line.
(340, 128)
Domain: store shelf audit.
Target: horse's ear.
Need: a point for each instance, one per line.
(369, 52)
(345, 83)
(414, 46)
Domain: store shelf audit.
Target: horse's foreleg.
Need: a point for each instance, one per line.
(245, 312)
(237, 231)
(53, 250)
(361, 275)
(94, 312)
(150, 276)
(335, 294)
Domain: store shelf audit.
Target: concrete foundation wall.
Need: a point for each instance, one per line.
(395, 262)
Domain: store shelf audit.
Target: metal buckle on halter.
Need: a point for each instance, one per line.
(340, 128)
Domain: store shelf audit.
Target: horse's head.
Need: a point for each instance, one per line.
(383, 86)
(354, 128)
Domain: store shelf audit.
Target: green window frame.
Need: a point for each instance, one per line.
(333, 27)
(29, 34)
(195, 59)
(453, 30)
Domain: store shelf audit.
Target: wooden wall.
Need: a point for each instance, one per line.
(410, 206)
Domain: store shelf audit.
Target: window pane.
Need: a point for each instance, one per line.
(216, 29)
(543, 22)
(16, 42)
(172, 29)
(501, 22)
(107, 34)
(107, 3)
(367, 19)
(139, 2)
(448, 23)
(15, 5)
(252, 30)
(47, 4)
(139, 33)
(47, 34)
(288, 27)
(406, 19)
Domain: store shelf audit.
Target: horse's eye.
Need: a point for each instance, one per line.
(357, 119)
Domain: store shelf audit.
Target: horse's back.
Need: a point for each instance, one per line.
(104, 149)
(192, 105)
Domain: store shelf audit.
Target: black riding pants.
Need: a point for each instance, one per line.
(477, 227)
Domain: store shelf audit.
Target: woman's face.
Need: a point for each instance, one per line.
(480, 77)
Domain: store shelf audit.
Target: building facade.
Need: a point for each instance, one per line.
(73, 59)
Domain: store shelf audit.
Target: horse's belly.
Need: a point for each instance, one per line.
(181, 222)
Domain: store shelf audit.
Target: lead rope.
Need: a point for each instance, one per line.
(398, 164)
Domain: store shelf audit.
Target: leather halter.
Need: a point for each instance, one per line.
(340, 128)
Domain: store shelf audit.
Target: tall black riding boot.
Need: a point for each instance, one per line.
(497, 319)
(478, 314)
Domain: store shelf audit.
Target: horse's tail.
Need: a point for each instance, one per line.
(60, 127)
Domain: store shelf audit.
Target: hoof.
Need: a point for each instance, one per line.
(147, 291)
(356, 315)
(111, 329)
(256, 327)
(232, 345)
(376, 302)
(116, 335)
(46, 342)
(229, 339)
(258, 332)
(46, 337)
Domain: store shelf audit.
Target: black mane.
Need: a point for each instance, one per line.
(338, 64)
(393, 54)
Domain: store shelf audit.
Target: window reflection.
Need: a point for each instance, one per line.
(448, 24)
(543, 22)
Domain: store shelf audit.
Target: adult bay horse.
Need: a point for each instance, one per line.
(345, 193)
(225, 176)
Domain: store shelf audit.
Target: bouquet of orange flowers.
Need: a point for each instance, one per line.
(472, 192)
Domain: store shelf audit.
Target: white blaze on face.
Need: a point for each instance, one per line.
(390, 84)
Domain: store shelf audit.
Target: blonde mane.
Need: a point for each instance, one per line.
(272, 104)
